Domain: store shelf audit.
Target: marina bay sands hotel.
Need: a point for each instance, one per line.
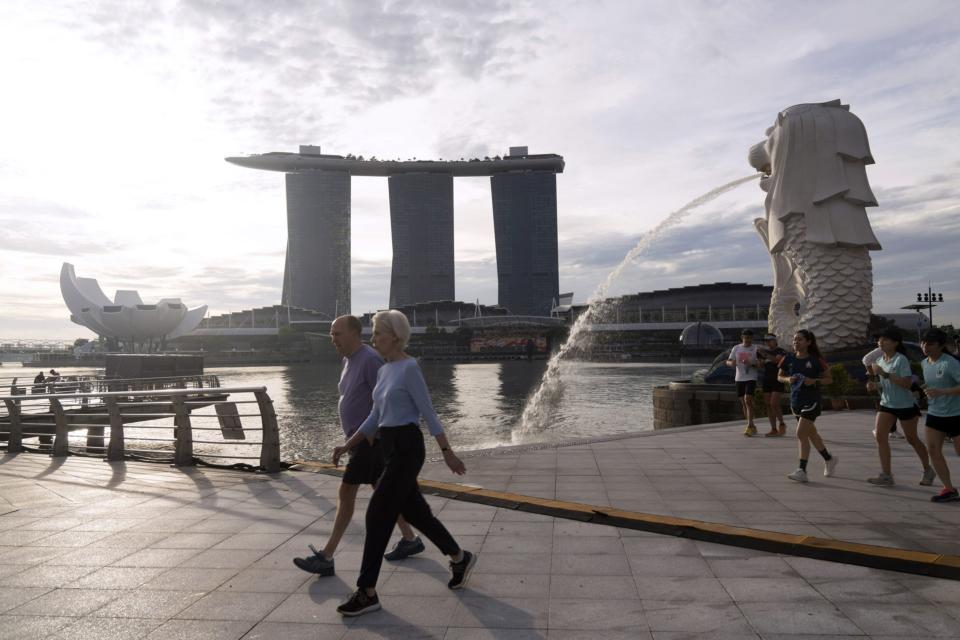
(317, 271)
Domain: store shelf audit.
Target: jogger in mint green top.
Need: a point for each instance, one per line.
(941, 377)
(893, 378)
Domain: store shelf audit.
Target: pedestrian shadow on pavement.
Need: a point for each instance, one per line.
(496, 614)
(383, 624)
(301, 490)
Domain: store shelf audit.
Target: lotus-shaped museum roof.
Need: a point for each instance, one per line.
(125, 317)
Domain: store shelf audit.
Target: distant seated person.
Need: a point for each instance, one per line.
(52, 379)
(38, 383)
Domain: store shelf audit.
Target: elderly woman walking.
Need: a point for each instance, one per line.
(400, 399)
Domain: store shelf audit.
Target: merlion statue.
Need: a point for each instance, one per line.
(816, 229)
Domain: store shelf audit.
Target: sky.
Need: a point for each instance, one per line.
(115, 119)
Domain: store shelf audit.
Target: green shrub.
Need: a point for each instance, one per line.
(842, 385)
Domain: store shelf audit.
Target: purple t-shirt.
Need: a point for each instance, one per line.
(357, 380)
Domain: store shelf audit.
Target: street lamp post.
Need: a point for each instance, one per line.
(929, 299)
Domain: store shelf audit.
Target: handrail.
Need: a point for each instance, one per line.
(27, 382)
(177, 404)
(163, 393)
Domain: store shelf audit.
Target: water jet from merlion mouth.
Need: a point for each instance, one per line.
(537, 412)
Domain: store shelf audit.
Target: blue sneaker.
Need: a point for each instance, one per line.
(405, 549)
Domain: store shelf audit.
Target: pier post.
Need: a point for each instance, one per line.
(61, 433)
(115, 448)
(270, 447)
(95, 440)
(15, 437)
(183, 432)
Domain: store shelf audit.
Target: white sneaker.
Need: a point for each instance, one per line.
(896, 435)
(798, 476)
(830, 465)
(929, 475)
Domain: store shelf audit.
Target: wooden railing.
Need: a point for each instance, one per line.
(160, 424)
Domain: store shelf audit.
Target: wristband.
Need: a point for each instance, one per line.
(445, 449)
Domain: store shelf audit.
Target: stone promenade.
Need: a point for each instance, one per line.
(90, 549)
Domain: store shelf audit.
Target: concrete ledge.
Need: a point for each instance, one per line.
(876, 557)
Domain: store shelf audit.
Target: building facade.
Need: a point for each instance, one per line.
(525, 226)
(421, 225)
(715, 302)
(317, 270)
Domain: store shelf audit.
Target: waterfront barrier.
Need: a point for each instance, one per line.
(147, 424)
(21, 385)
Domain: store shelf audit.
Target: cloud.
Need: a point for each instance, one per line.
(288, 71)
(20, 209)
(22, 242)
(649, 103)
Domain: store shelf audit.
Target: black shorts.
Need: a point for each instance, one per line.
(949, 425)
(772, 385)
(809, 411)
(365, 465)
(902, 414)
(746, 388)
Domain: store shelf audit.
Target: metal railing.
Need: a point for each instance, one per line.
(97, 384)
(160, 424)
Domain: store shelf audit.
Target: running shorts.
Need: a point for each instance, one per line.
(746, 388)
(810, 411)
(902, 414)
(949, 425)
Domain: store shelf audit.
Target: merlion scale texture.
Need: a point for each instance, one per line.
(816, 228)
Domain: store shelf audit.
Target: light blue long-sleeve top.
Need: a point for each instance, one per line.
(401, 398)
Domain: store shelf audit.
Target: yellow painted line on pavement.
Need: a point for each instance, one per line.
(877, 557)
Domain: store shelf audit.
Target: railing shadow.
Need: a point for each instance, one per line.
(119, 475)
(200, 480)
(55, 463)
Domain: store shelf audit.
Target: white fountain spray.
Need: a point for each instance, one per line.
(536, 413)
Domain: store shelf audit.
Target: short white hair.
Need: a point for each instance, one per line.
(396, 323)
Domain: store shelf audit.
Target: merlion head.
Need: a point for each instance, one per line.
(814, 160)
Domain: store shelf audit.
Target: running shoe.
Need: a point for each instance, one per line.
(929, 475)
(359, 604)
(773, 433)
(798, 476)
(750, 431)
(782, 428)
(829, 466)
(882, 480)
(317, 563)
(947, 495)
(461, 570)
(405, 549)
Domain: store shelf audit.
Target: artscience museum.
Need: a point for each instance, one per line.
(126, 317)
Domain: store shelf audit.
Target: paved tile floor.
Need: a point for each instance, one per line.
(90, 549)
(716, 474)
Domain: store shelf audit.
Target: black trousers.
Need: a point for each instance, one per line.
(397, 494)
